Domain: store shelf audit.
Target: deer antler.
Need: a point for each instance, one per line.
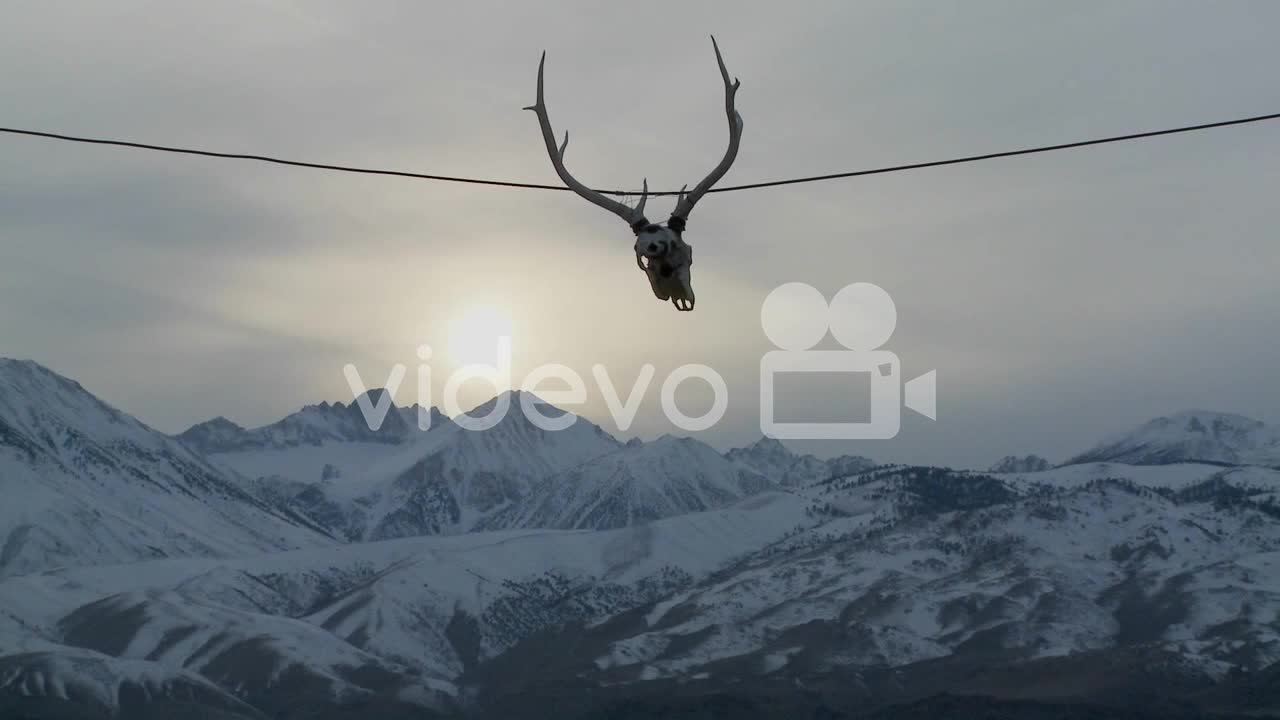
(686, 202)
(633, 216)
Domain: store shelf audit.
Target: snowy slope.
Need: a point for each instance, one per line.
(919, 563)
(414, 612)
(84, 483)
(1192, 436)
(137, 577)
(463, 477)
(513, 475)
(888, 567)
(637, 484)
(314, 460)
(65, 682)
(447, 480)
(1173, 477)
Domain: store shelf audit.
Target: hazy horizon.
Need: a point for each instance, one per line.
(720, 441)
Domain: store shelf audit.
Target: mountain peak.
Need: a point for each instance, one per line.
(765, 450)
(1191, 436)
(785, 466)
(517, 426)
(515, 417)
(772, 446)
(374, 395)
(97, 486)
(26, 364)
(1207, 422)
(32, 370)
(514, 397)
(219, 426)
(669, 438)
(31, 392)
(1026, 464)
(639, 483)
(313, 425)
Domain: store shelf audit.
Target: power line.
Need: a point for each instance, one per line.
(728, 188)
(277, 161)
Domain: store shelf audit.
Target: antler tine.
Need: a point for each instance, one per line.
(634, 218)
(644, 197)
(685, 205)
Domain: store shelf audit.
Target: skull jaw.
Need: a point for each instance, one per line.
(679, 291)
(676, 286)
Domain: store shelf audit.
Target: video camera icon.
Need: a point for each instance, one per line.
(861, 317)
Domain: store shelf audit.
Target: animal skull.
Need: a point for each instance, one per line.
(661, 251)
(665, 258)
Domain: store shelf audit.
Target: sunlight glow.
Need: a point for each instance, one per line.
(473, 338)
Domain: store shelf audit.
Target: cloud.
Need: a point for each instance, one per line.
(1055, 294)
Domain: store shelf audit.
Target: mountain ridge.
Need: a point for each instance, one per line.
(404, 579)
(1191, 436)
(788, 468)
(84, 481)
(313, 425)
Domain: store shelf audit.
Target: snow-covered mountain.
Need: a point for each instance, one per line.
(1025, 464)
(328, 573)
(59, 682)
(1192, 436)
(400, 620)
(446, 480)
(906, 566)
(84, 483)
(877, 576)
(639, 483)
(513, 475)
(460, 478)
(790, 469)
(314, 426)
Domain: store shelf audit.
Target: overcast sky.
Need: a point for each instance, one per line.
(1061, 297)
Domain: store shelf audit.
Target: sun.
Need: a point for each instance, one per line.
(473, 337)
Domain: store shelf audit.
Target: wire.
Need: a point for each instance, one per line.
(623, 193)
(277, 161)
